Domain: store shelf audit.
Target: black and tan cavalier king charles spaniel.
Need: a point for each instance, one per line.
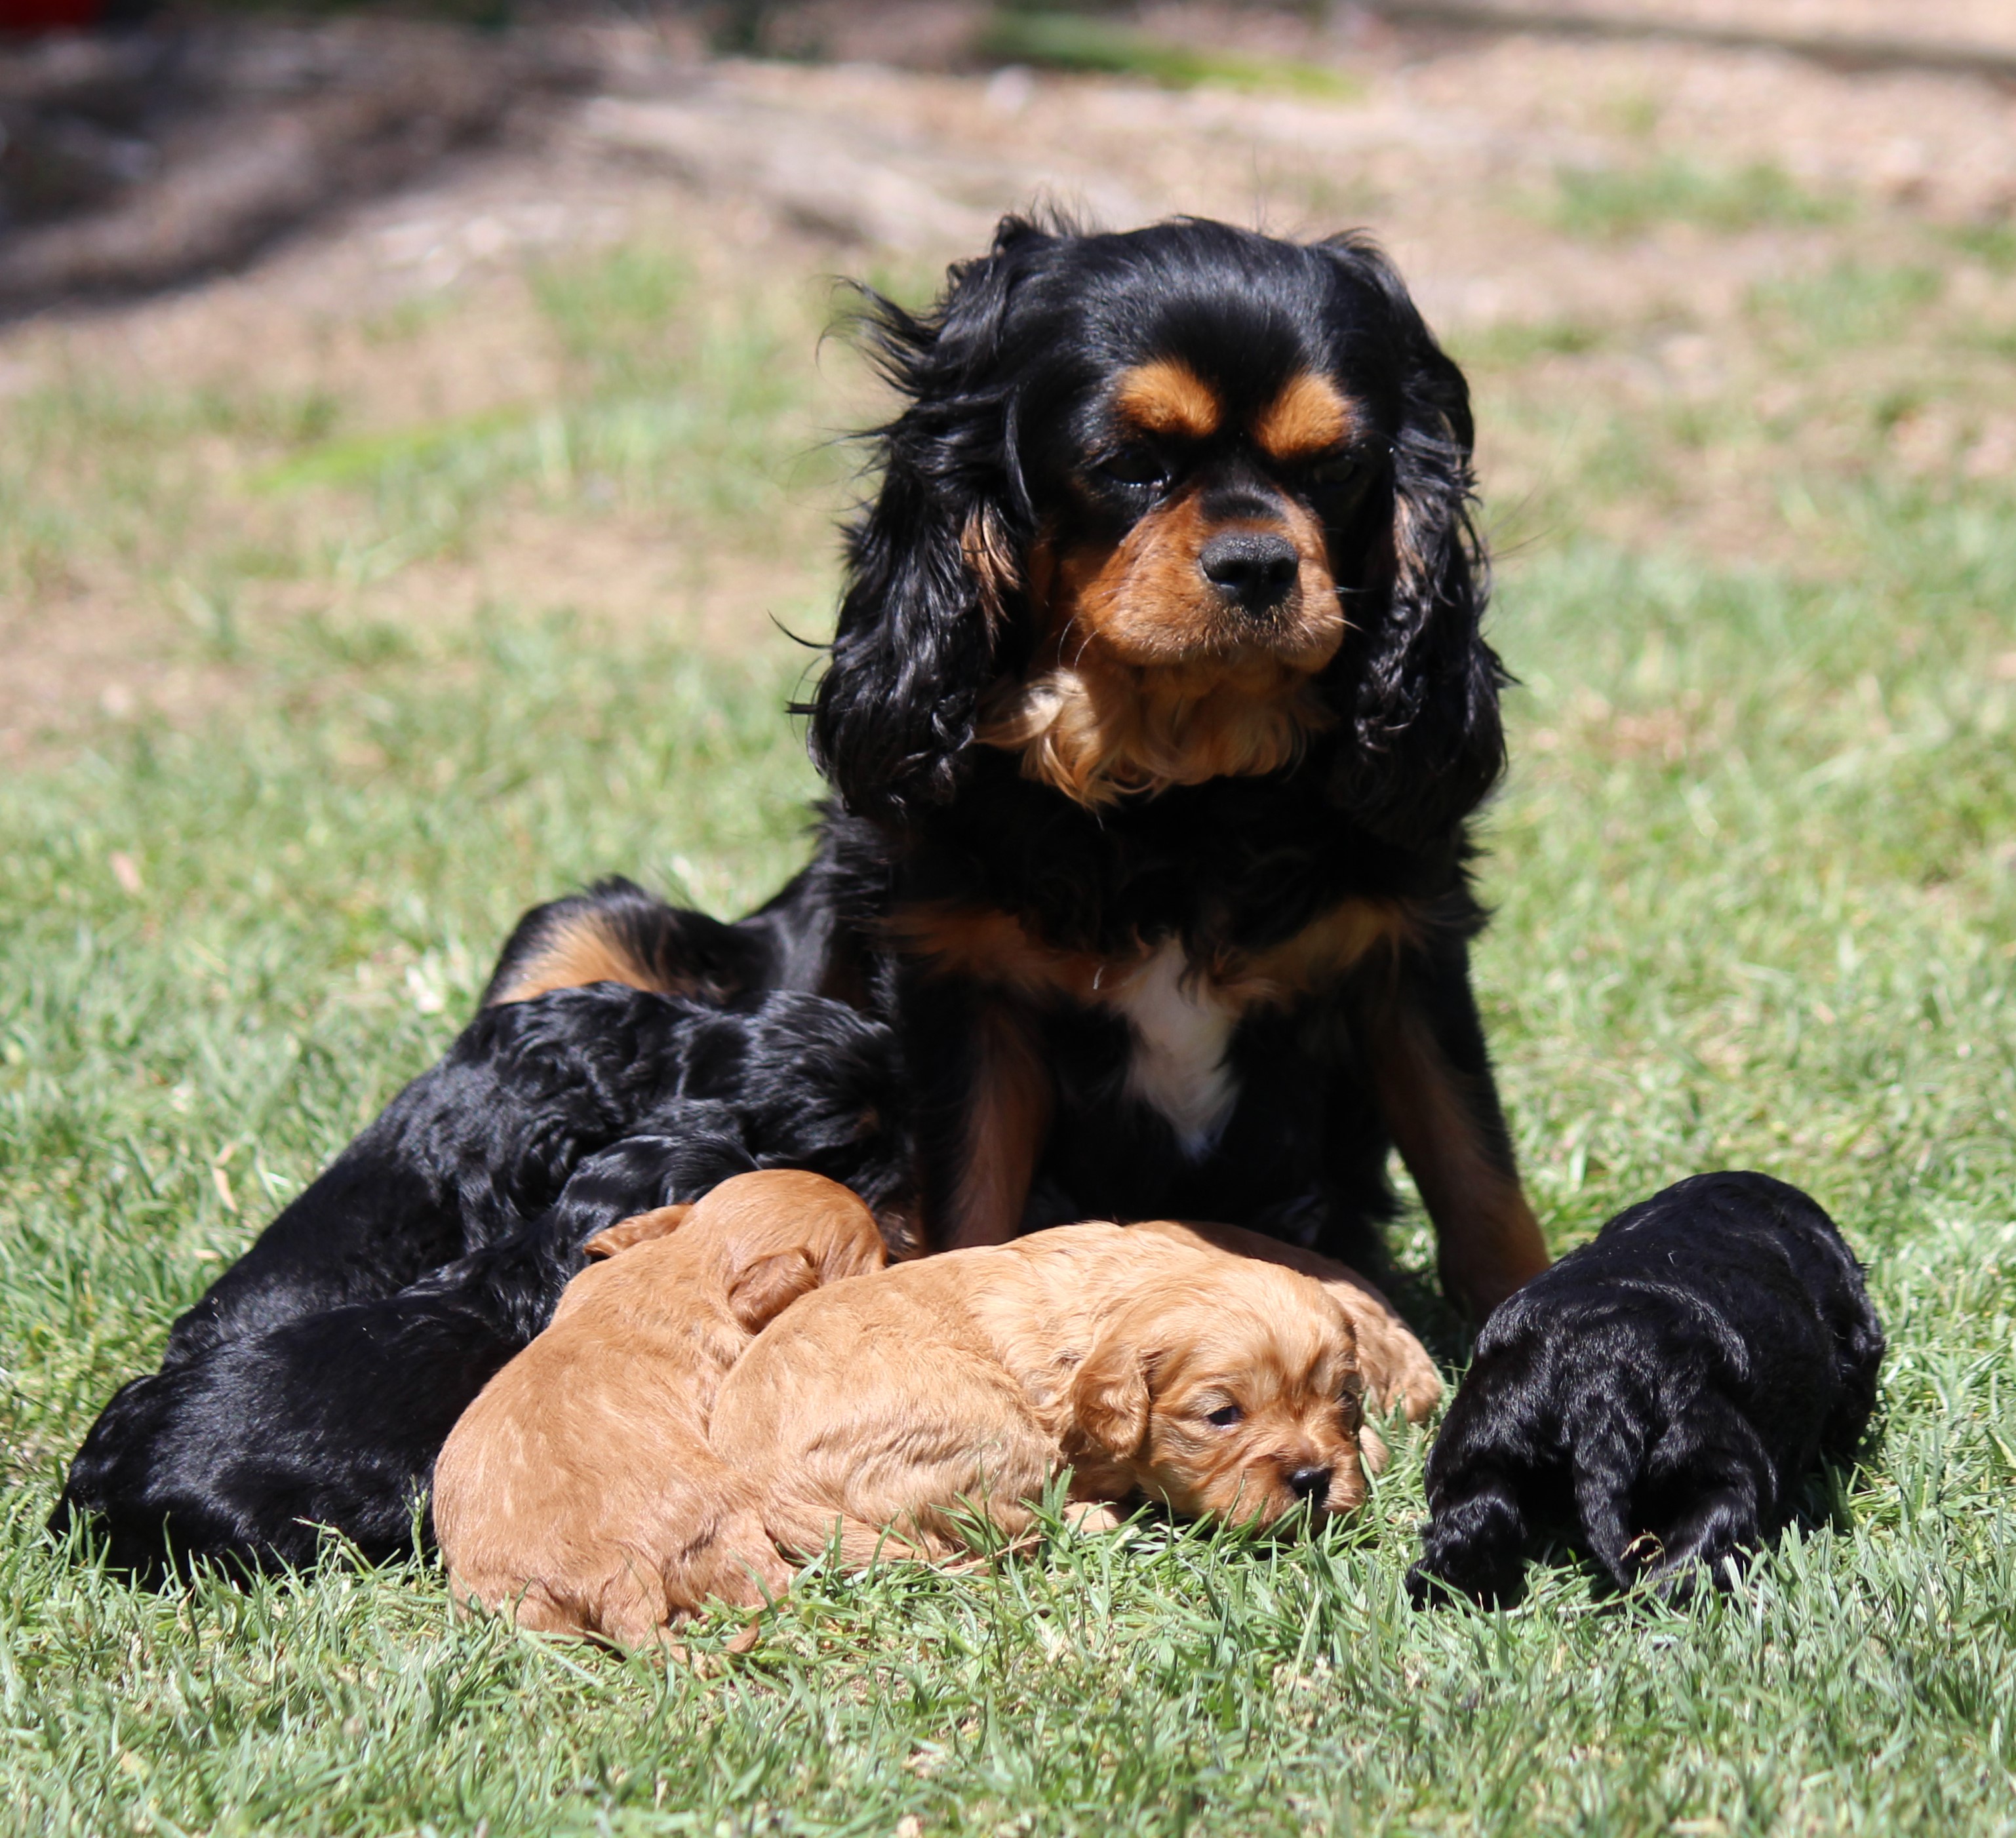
(1660, 1396)
(1156, 708)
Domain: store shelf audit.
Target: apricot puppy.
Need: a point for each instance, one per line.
(1153, 1366)
(1400, 1372)
(578, 1492)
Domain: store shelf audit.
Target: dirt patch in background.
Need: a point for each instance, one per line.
(1593, 222)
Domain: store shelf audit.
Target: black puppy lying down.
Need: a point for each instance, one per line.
(1661, 1392)
(315, 1383)
(488, 1138)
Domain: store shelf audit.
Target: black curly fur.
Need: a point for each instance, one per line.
(1660, 1395)
(316, 1381)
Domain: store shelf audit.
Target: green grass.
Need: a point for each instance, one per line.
(1852, 304)
(1612, 202)
(1071, 41)
(663, 407)
(1755, 876)
(687, 410)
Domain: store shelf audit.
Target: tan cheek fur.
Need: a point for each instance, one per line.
(1400, 1372)
(579, 1492)
(1151, 681)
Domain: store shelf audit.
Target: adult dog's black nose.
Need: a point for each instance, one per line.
(1309, 1484)
(1254, 568)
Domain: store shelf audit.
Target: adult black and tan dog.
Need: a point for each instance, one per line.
(1156, 708)
(316, 1382)
(1660, 1394)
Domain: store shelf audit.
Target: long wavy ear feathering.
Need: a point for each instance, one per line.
(1426, 743)
(932, 559)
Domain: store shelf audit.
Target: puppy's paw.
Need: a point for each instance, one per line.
(1490, 1578)
(1679, 1572)
(1093, 1516)
(1474, 1548)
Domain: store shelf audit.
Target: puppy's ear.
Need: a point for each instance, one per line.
(639, 1228)
(1425, 740)
(1110, 1398)
(768, 1286)
(932, 562)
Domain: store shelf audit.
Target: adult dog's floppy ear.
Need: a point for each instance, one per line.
(1110, 1397)
(1425, 743)
(931, 560)
(763, 1291)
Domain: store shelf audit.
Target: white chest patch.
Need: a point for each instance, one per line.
(1181, 1031)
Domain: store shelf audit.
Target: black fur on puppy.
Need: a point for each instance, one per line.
(487, 1138)
(1659, 1394)
(315, 1384)
(247, 1450)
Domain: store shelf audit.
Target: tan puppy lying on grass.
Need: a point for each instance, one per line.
(578, 1492)
(1152, 1365)
(1203, 1366)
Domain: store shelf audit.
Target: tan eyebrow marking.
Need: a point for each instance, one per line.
(1308, 417)
(1167, 396)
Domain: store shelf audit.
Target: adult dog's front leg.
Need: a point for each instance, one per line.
(986, 1100)
(1431, 1075)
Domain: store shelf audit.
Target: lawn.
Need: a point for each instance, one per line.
(1755, 880)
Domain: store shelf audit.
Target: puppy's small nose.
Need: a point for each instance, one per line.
(1254, 568)
(1310, 1484)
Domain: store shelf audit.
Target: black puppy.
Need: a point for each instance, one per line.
(300, 1393)
(246, 1450)
(488, 1138)
(1661, 1392)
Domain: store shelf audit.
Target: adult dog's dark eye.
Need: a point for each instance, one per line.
(1133, 465)
(1225, 1417)
(1334, 473)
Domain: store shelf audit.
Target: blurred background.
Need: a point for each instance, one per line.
(374, 319)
